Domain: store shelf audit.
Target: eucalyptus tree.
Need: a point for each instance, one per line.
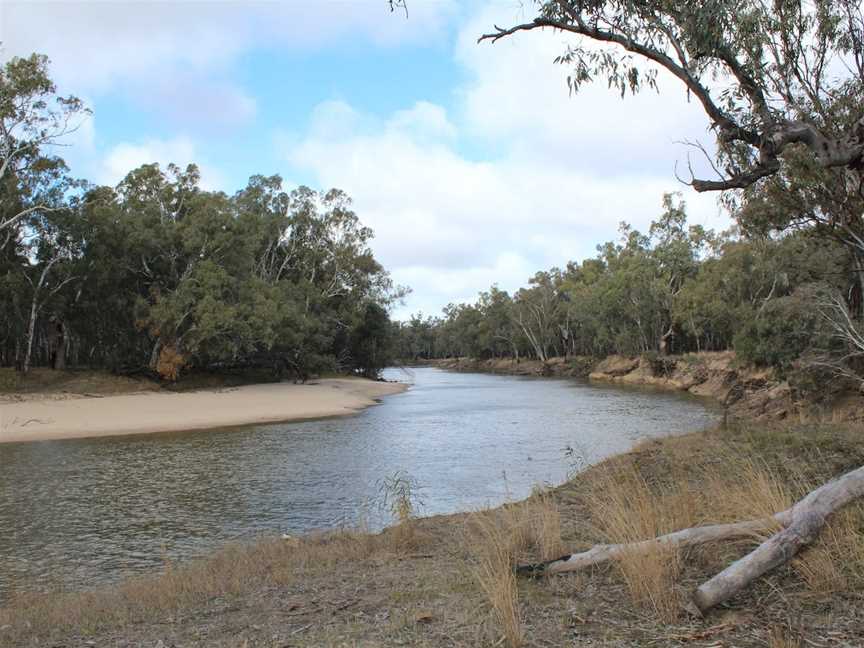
(499, 332)
(371, 341)
(34, 185)
(417, 338)
(33, 118)
(769, 75)
(536, 310)
(781, 84)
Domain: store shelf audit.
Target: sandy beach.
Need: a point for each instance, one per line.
(68, 418)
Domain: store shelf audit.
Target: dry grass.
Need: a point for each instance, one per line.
(625, 509)
(497, 540)
(745, 488)
(493, 545)
(783, 637)
(398, 495)
(690, 484)
(544, 520)
(836, 562)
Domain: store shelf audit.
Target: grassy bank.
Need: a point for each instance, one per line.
(447, 581)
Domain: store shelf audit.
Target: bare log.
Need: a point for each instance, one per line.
(805, 521)
(604, 553)
(800, 524)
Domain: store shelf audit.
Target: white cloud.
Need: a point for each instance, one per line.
(126, 156)
(424, 120)
(433, 290)
(96, 44)
(518, 95)
(568, 169)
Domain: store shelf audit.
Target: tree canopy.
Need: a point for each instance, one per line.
(769, 75)
(159, 274)
(675, 288)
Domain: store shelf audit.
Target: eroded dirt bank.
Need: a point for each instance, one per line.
(751, 393)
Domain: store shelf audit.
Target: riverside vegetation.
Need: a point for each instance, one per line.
(161, 277)
(783, 290)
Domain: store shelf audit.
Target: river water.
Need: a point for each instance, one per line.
(77, 513)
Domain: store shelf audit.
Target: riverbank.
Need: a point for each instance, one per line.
(435, 581)
(750, 393)
(41, 417)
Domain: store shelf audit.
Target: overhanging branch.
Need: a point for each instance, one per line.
(738, 181)
(731, 129)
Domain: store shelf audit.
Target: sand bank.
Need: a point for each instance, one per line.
(69, 418)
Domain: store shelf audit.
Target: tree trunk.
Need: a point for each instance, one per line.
(803, 523)
(154, 355)
(855, 298)
(31, 329)
(601, 554)
(801, 526)
(663, 346)
(60, 347)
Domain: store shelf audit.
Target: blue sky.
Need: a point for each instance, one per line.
(471, 162)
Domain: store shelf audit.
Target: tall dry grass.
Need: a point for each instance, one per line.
(544, 523)
(835, 563)
(736, 488)
(625, 509)
(500, 538)
(492, 544)
(690, 485)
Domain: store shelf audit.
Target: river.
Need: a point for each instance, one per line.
(77, 513)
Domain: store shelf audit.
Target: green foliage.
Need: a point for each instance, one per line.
(678, 288)
(781, 85)
(158, 274)
(371, 341)
(778, 333)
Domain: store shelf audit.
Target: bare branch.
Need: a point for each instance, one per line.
(739, 181)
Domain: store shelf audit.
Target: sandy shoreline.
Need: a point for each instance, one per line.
(49, 419)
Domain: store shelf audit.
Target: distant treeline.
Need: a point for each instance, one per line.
(158, 274)
(676, 288)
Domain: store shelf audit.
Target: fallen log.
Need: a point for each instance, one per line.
(803, 522)
(603, 553)
(800, 525)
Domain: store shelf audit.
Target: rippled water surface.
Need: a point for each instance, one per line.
(81, 512)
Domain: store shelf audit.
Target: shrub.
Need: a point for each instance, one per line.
(398, 495)
(779, 332)
(170, 363)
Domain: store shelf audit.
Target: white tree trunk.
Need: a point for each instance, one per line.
(31, 329)
(801, 525)
(601, 554)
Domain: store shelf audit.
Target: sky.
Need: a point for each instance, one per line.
(473, 163)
